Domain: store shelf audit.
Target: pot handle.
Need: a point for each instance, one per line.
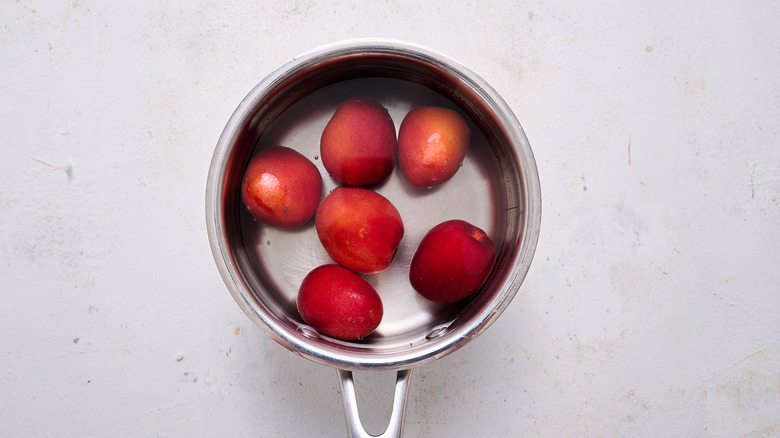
(395, 426)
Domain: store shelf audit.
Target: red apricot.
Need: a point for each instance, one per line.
(339, 303)
(452, 261)
(281, 187)
(358, 145)
(359, 228)
(432, 144)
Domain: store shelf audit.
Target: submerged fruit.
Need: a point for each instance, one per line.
(452, 261)
(339, 303)
(432, 143)
(359, 228)
(281, 187)
(358, 145)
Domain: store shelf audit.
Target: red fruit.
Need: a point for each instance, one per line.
(281, 187)
(339, 303)
(432, 143)
(358, 145)
(359, 228)
(452, 261)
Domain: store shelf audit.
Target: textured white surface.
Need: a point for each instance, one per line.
(652, 307)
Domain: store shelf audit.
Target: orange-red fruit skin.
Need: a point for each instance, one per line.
(281, 187)
(359, 228)
(339, 303)
(452, 261)
(358, 145)
(432, 144)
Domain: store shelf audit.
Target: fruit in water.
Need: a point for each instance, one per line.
(359, 228)
(452, 261)
(432, 143)
(339, 303)
(358, 145)
(281, 187)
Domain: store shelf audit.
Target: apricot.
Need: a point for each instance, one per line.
(432, 144)
(452, 261)
(339, 303)
(281, 187)
(358, 145)
(359, 228)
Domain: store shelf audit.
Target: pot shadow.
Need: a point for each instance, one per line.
(285, 394)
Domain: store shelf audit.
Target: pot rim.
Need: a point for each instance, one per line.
(446, 340)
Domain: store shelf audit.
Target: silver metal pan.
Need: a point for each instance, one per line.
(496, 189)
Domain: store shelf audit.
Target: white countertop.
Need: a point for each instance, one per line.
(652, 307)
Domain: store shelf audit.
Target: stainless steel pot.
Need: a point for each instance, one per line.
(497, 189)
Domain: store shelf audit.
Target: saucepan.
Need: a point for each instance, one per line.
(496, 188)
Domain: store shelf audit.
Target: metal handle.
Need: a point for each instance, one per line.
(395, 426)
